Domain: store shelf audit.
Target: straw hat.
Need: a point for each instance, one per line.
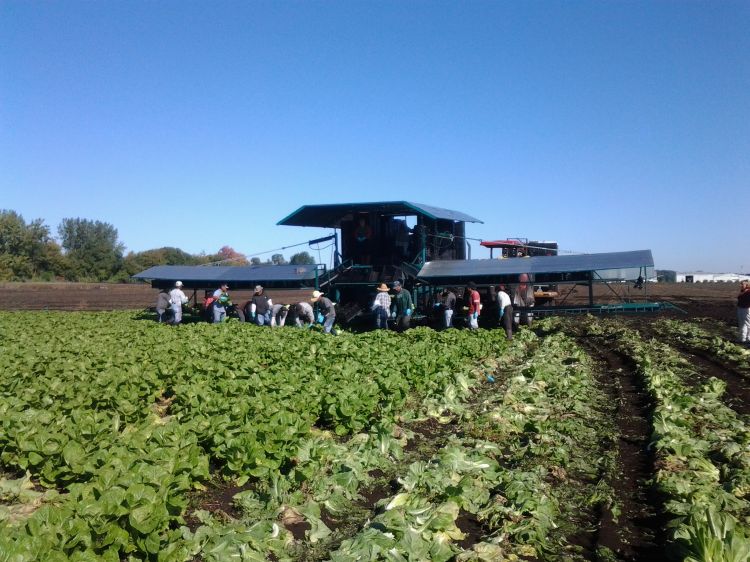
(316, 295)
(383, 287)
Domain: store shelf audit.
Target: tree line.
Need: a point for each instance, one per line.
(89, 250)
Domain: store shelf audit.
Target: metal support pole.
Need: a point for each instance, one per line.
(591, 291)
(423, 244)
(336, 255)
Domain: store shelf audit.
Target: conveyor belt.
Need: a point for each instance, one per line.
(603, 309)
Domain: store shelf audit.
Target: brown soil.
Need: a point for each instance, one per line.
(633, 536)
(107, 296)
(298, 529)
(712, 300)
(427, 433)
(471, 527)
(218, 499)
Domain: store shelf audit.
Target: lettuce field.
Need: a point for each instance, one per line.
(580, 439)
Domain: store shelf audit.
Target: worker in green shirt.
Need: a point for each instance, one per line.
(401, 307)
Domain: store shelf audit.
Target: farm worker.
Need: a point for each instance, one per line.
(221, 301)
(475, 304)
(260, 307)
(523, 298)
(743, 312)
(402, 231)
(326, 311)
(303, 314)
(278, 314)
(402, 307)
(362, 236)
(449, 305)
(381, 307)
(505, 311)
(177, 298)
(162, 304)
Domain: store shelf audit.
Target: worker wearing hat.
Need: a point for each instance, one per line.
(221, 301)
(260, 307)
(381, 307)
(176, 299)
(326, 311)
(402, 307)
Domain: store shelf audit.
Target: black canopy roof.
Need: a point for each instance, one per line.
(330, 216)
(238, 277)
(611, 265)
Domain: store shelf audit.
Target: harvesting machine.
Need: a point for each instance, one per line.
(422, 246)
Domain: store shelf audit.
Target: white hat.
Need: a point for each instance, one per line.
(316, 295)
(178, 284)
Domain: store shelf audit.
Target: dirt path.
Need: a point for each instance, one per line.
(107, 296)
(635, 534)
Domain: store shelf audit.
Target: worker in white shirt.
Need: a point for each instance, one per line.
(176, 299)
(505, 311)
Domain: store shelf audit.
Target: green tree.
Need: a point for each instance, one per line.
(278, 259)
(27, 250)
(91, 247)
(302, 258)
(135, 262)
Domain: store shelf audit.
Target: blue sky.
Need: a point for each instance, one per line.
(606, 126)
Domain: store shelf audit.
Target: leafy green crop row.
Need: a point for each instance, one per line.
(703, 450)
(535, 460)
(697, 337)
(123, 417)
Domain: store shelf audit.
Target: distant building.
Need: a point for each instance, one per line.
(703, 277)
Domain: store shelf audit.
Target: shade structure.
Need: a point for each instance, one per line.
(581, 267)
(331, 216)
(238, 277)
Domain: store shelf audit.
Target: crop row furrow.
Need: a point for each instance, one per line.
(702, 450)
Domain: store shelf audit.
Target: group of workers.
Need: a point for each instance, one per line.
(392, 304)
(397, 307)
(260, 309)
(171, 300)
(473, 307)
